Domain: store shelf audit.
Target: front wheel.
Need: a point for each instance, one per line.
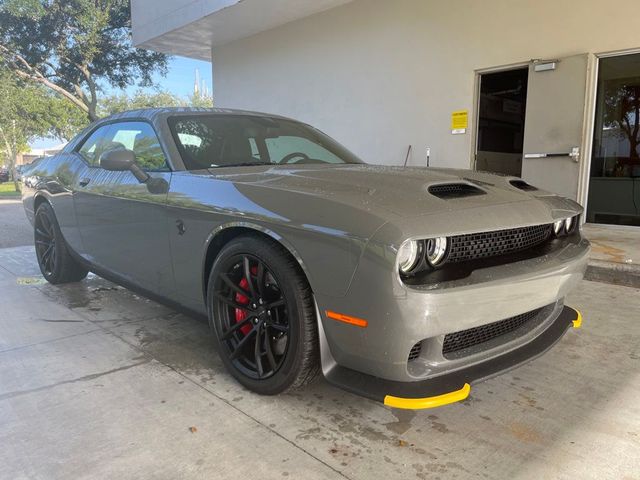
(55, 262)
(262, 313)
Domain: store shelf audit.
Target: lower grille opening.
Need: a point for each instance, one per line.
(455, 343)
(415, 351)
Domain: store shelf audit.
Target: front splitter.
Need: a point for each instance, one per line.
(455, 386)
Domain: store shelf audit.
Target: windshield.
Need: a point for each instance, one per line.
(210, 141)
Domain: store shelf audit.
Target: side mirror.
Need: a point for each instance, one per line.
(118, 160)
(121, 160)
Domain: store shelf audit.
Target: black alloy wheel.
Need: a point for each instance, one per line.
(262, 313)
(45, 242)
(254, 317)
(55, 262)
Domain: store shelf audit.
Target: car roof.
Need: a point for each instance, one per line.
(155, 113)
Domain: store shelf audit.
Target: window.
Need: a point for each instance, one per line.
(210, 141)
(614, 183)
(91, 149)
(138, 137)
(280, 147)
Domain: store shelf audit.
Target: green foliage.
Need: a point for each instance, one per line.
(75, 47)
(200, 101)
(139, 99)
(7, 189)
(145, 99)
(622, 111)
(28, 111)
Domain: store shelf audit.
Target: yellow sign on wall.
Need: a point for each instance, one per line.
(459, 121)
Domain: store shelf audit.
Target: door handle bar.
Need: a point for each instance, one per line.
(574, 154)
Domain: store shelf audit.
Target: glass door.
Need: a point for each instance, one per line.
(614, 180)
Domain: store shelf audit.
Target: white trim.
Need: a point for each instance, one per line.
(588, 123)
(618, 53)
(583, 186)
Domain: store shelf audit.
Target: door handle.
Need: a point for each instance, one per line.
(84, 182)
(574, 154)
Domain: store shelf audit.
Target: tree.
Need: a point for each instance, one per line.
(139, 99)
(143, 99)
(28, 111)
(74, 47)
(622, 110)
(200, 101)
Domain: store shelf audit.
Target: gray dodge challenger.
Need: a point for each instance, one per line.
(404, 285)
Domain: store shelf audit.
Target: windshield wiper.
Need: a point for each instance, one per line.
(241, 164)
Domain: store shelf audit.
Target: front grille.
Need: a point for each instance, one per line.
(457, 341)
(500, 242)
(454, 190)
(415, 351)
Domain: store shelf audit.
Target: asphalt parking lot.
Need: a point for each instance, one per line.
(97, 382)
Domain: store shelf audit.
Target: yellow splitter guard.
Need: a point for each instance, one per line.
(455, 386)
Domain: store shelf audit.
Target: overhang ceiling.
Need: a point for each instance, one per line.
(190, 28)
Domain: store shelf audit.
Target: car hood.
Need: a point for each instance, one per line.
(402, 191)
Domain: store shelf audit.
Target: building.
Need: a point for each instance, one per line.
(545, 89)
(28, 157)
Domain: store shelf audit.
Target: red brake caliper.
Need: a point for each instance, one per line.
(241, 314)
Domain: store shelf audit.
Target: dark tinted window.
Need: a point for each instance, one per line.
(92, 146)
(208, 141)
(138, 137)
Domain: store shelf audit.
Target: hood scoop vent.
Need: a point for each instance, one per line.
(448, 191)
(522, 185)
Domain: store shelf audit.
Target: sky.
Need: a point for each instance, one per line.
(179, 81)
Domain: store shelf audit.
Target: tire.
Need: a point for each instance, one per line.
(266, 332)
(55, 262)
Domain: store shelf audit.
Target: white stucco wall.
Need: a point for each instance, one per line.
(379, 75)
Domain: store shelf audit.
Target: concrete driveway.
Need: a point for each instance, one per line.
(97, 382)
(15, 229)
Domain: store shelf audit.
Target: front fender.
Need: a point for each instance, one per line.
(328, 259)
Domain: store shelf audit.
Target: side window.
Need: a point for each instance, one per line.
(93, 146)
(142, 140)
(280, 147)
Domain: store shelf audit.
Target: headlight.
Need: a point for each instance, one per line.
(568, 225)
(558, 226)
(436, 250)
(408, 256)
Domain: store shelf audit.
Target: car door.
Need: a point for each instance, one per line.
(122, 222)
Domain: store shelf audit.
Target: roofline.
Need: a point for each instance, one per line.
(151, 113)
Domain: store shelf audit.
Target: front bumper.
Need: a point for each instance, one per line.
(454, 386)
(398, 316)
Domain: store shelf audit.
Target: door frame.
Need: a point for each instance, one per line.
(587, 123)
(592, 80)
(476, 103)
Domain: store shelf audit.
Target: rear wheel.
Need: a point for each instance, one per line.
(262, 313)
(54, 260)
